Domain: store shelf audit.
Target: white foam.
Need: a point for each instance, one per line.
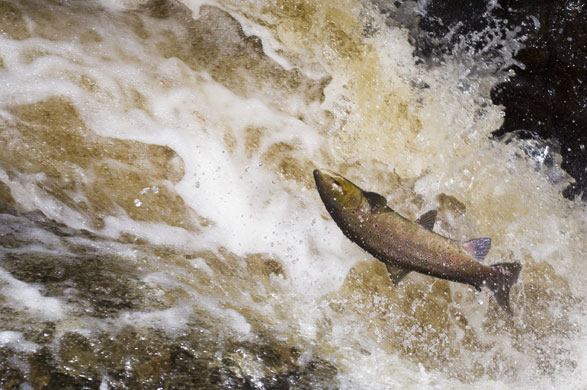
(16, 341)
(104, 383)
(195, 6)
(157, 233)
(30, 196)
(170, 320)
(200, 263)
(247, 204)
(25, 296)
(238, 322)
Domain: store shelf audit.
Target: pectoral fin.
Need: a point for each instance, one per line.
(376, 201)
(396, 274)
(427, 219)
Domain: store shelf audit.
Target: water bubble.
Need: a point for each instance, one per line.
(155, 189)
(145, 191)
(138, 203)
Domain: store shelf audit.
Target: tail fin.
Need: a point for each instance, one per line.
(506, 276)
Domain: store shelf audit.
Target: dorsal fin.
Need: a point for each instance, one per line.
(427, 219)
(396, 274)
(376, 201)
(478, 248)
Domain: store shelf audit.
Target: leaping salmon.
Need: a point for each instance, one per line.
(405, 246)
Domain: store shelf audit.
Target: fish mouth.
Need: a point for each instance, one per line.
(326, 176)
(336, 191)
(328, 182)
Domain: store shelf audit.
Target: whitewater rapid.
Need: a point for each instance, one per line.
(169, 147)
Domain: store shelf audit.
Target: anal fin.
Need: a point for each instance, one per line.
(396, 274)
(478, 248)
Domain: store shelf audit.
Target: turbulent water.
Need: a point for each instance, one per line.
(161, 230)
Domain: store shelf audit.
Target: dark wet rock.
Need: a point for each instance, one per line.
(97, 286)
(5, 196)
(44, 333)
(547, 96)
(10, 376)
(47, 373)
(148, 359)
(90, 282)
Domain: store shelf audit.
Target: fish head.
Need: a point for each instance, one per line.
(336, 192)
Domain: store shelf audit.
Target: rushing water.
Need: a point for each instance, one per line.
(161, 229)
